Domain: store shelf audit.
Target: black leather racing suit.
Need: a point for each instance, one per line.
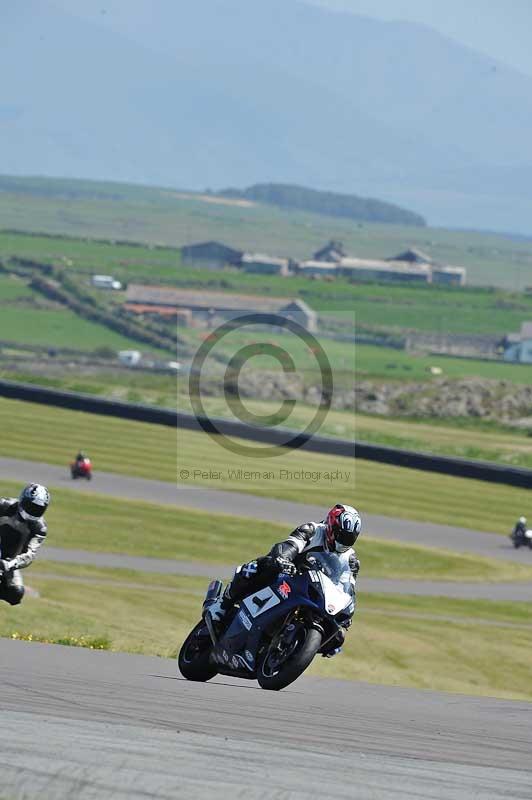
(19, 541)
(262, 571)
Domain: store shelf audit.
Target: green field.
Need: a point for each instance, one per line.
(27, 318)
(124, 261)
(386, 363)
(13, 288)
(480, 648)
(58, 328)
(53, 435)
(166, 216)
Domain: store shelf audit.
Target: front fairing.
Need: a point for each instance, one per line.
(334, 575)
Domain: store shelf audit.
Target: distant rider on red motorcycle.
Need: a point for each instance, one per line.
(81, 467)
(336, 534)
(81, 458)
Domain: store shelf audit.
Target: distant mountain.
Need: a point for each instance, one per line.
(217, 93)
(361, 209)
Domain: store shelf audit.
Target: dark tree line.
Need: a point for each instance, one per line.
(359, 209)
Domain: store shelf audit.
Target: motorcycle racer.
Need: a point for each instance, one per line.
(337, 533)
(80, 458)
(519, 528)
(81, 467)
(22, 531)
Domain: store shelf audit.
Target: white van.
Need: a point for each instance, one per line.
(129, 358)
(105, 282)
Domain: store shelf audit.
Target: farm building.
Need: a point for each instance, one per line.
(518, 346)
(212, 308)
(302, 313)
(366, 269)
(410, 266)
(317, 269)
(183, 316)
(333, 251)
(210, 255)
(440, 273)
(265, 265)
(450, 276)
(412, 256)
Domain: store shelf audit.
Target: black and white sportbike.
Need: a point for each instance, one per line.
(521, 538)
(273, 634)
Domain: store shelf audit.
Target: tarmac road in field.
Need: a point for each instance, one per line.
(89, 724)
(216, 501)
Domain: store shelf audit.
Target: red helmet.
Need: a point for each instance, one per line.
(343, 526)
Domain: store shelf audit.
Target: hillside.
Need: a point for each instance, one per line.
(165, 217)
(234, 92)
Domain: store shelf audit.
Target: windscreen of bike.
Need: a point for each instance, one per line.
(334, 565)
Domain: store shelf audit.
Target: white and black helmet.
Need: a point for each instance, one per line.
(33, 501)
(343, 526)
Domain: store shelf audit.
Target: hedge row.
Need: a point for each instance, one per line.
(59, 286)
(70, 238)
(85, 306)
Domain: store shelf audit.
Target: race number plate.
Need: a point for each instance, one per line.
(256, 604)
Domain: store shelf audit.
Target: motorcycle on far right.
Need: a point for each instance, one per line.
(521, 538)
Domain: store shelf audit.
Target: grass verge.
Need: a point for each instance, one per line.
(473, 647)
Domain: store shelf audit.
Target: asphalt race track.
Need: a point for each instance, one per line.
(461, 540)
(89, 724)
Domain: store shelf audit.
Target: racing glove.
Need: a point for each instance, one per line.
(285, 566)
(354, 565)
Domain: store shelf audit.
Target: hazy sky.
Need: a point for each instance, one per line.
(500, 28)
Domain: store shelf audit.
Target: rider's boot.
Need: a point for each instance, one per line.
(334, 646)
(218, 606)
